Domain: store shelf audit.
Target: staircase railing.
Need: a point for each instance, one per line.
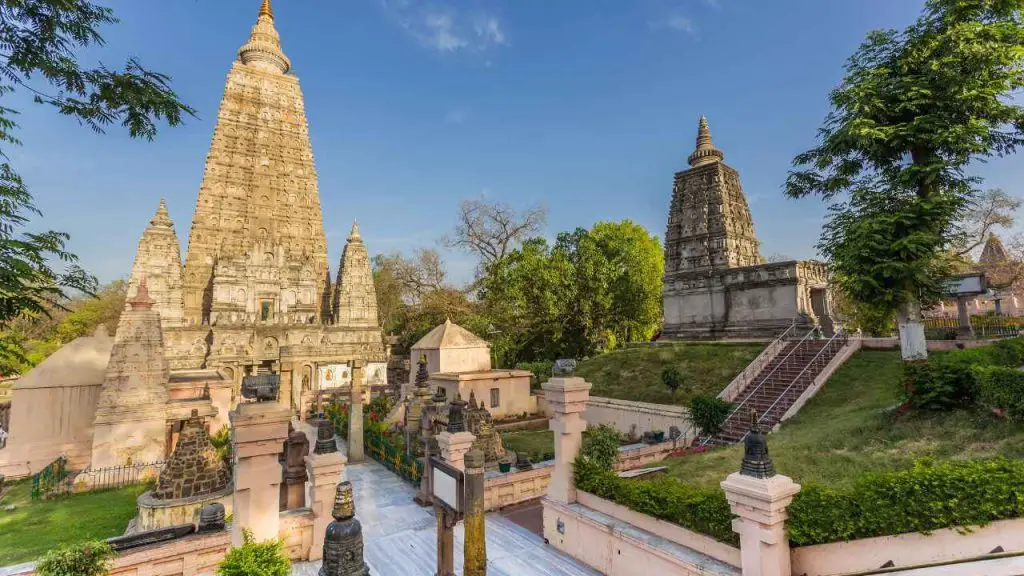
(707, 439)
(837, 338)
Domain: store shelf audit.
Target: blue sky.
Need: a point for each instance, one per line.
(585, 106)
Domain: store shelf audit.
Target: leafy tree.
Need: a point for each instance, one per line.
(39, 39)
(88, 313)
(672, 378)
(915, 108)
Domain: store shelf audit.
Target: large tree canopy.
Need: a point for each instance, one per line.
(591, 289)
(38, 44)
(915, 108)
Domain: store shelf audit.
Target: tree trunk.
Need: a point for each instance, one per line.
(912, 342)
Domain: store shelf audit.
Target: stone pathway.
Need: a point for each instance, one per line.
(400, 537)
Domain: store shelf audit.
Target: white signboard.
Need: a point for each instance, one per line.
(967, 285)
(446, 489)
(334, 376)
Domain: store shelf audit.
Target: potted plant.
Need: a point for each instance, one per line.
(504, 465)
(659, 436)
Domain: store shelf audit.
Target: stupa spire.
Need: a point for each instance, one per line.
(354, 234)
(263, 50)
(162, 218)
(705, 152)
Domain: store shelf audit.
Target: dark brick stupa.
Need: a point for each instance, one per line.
(195, 468)
(756, 461)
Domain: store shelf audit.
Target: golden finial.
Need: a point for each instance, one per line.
(266, 10)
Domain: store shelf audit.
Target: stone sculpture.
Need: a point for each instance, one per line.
(756, 461)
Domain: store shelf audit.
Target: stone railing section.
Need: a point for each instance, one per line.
(516, 487)
(980, 545)
(747, 376)
(632, 458)
(638, 417)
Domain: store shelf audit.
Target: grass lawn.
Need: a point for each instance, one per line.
(36, 527)
(536, 443)
(635, 373)
(848, 428)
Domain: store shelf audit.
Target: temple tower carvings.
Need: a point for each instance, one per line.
(158, 261)
(258, 212)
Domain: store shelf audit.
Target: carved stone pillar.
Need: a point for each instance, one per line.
(324, 471)
(355, 416)
(258, 431)
(475, 541)
(567, 398)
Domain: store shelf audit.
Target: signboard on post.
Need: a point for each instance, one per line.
(967, 285)
(449, 485)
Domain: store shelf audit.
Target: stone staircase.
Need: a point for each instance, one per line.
(779, 384)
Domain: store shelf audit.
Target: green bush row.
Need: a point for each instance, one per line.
(1003, 388)
(928, 497)
(956, 379)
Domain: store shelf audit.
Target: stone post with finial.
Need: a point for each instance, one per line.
(258, 432)
(454, 442)
(426, 438)
(323, 468)
(343, 540)
(758, 497)
(475, 540)
(567, 396)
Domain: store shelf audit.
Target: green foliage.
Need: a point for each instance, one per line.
(256, 559)
(703, 510)
(708, 413)
(592, 290)
(40, 39)
(915, 108)
(672, 378)
(1003, 388)
(82, 559)
(950, 381)
(221, 440)
(601, 446)
(541, 369)
(930, 496)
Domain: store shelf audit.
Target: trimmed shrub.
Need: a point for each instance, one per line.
(82, 559)
(601, 446)
(709, 413)
(256, 559)
(1003, 388)
(938, 385)
(930, 496)
(703, 510)
(672, 378)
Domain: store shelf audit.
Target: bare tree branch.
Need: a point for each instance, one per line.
(993, 209)
(491, 229)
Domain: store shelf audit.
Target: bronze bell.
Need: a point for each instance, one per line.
(325, 443)
(756, 461)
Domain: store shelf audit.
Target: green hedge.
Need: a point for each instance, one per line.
(1003, 388)
(930, 496)
(954, 380)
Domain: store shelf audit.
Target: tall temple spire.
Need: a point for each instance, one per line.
(706, 153)
(157, 268)
(264, 47)
(355, 298)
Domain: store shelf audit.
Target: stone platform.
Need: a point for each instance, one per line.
(400, 537)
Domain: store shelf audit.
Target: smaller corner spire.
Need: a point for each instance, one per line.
(141, 300)
(705, 152)
(162, 218)
(266, 9)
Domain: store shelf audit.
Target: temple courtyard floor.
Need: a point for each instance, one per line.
(400, 537)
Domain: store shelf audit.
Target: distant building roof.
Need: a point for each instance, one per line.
(81, 362)
(448, 336)
(993, 252)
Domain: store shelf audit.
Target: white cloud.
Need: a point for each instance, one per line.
(445, 28)
(677, 22)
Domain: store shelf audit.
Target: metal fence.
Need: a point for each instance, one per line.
(985, 327)
(393, 457)
(56, 480)
(5, 422)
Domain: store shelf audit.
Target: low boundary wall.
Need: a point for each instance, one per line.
(647, 417)
(910, 550)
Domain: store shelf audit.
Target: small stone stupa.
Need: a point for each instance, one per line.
(343, 541)
(194, 476)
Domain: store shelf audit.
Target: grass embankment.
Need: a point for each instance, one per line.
(539, 444)
(634, 373)
(36, 527)
(848, 428)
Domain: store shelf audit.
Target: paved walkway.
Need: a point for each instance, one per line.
(400, 537)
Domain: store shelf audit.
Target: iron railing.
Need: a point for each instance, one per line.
(820, 360)
(984, 327)
(56, 480)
